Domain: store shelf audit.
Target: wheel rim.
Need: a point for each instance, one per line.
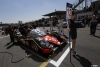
(35, 47)
(27, 43)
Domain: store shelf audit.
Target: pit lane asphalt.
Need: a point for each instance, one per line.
(87, 48)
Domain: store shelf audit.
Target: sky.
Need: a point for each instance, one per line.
(12, 11)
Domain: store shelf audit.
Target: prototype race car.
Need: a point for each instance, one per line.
(42, 41)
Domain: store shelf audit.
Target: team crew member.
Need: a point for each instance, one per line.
(73, 32)
(43, 23)
(22, 30)
(93, 24)
(11, 33)
(60, 23)
(51, 25)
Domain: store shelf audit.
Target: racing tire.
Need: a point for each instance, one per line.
(18, 39)
(27, 43)
(34, 46)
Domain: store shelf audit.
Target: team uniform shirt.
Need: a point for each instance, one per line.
(43, 23)
(94, 20)
(50, 22)
(35, 23)
(60, 22)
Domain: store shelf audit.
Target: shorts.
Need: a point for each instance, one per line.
(73, 35)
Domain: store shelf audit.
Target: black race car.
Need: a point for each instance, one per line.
(42, 41)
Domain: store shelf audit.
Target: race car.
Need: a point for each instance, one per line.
(41, 41)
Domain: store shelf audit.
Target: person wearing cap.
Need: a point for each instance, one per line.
(72, 28)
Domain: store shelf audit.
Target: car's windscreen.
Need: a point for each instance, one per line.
(38, 32)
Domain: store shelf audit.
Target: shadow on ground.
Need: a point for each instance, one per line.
(33, 56)
(98, 29)
(36, 56)
(83, 61)
(10, 44)
(97, 36)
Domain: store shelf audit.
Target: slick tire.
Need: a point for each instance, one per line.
(34, 46)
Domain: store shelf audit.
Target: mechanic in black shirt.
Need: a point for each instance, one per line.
(11, 33)
(26, 26)
(73, 31)
(22, 30)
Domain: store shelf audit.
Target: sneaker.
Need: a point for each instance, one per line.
(74, 53)
(93, 34)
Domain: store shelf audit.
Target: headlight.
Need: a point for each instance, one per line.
(44, 43)
(58, 43)
(46, 38)
(50, 39)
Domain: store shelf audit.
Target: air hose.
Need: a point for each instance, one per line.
(12, 57)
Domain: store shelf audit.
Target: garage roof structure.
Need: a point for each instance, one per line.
(55, 13)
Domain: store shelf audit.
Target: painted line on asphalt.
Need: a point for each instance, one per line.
(44, 64)
(4, 36)
(57, 63)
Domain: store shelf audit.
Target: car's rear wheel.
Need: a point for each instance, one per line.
(18, 39)
(27, 43)
(34, 46)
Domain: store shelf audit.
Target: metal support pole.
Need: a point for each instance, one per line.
(85, 4)
(82, 5)
(70, 46)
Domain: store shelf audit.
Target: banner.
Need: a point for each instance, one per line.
(68, 11)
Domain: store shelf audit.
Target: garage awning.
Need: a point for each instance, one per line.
(55, 13)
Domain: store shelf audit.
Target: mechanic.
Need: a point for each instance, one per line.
(35, 24)
(51, 24)
(11, 33)
(22, 30)
(73, 31)
(60, 23)
(93, 24)
(88, 20)
(43, 23)
(26, 26)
